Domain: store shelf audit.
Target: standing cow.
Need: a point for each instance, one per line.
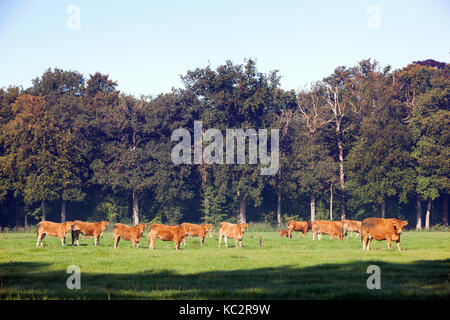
(195, 230)
(94, 229)
(326, 227)
(233, 231)
(297, 226)
(381, 229)
(53, 229)
(128, 233)
(166, 233)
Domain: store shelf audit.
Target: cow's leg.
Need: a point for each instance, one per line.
(319, 236)
(63, 241)
(236, 242)
(151, 242)
(388, 243)
(42, 239)
(177, 244)
(202, 240)
(226, 241)
(220, 239)
(77, 237)
(398, 245)
(116, 241)
(38, 239)
(364, 242)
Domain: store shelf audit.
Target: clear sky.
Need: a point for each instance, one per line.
(147, 45)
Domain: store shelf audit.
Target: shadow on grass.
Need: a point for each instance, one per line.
(417, 280)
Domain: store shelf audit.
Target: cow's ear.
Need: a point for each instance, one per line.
(394, 223)
(405, 223)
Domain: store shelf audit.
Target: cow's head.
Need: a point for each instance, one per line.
(141, 227)
(104, 224)
(68, 225)
(399, 224)
(243, 226)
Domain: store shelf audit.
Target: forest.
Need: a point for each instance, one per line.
(366, 141)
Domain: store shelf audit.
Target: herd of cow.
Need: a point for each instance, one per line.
(370, 228)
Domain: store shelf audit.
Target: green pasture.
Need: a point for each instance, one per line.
(279, 269)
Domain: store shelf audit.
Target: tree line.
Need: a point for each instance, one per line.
(364, 141)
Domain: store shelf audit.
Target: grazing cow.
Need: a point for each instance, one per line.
(353, 226)
(128, 233)
(284, 233)
(326, 227)
(381, 229)
(195, 230)
(297, 226)
(53, 229)
(233, 231)
(166, 233)
(88, 229)
(209, 228)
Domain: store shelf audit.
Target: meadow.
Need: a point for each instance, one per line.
(280, 268)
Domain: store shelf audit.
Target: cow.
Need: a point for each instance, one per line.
(53, 229)
(233, 231)
(209, 228)
(342, 226)
(94, 229)
(297, 226)
(353, 226)
(195, 230)
(166, 233)
(326, 227)
(128, 233)
(381, 229)
(284, 233)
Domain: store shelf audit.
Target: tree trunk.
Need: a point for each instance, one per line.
(63, 211)
(242, 214)
(383, 208)
(342, 178)
(44, 210)
(279, 209)
(419, 213)
(313, 207)
(427, 216)
(135, 216)
(331, 202)
(25, 221)
(445, 210)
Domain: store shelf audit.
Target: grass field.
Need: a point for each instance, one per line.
(279, 269)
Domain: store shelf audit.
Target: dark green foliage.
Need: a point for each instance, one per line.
(374, 137)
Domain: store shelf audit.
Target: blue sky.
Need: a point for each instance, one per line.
(147, 45)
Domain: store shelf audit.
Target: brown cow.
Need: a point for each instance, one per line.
(284, 233)
(353, 226)
(53, 229)
(326, 227)
(128, 233)
(195, 230)
(297, 226)
(209, 228)
(166, 233)
(381, 229)
(233, 231)
(88, 229)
